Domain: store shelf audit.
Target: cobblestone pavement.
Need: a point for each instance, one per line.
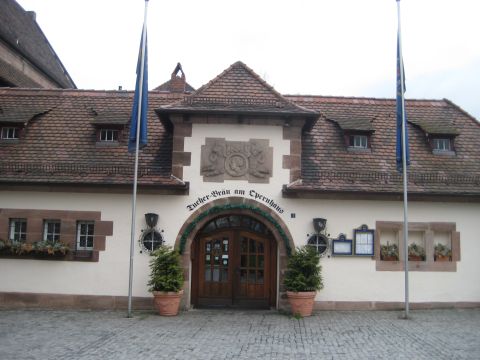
(222, 334)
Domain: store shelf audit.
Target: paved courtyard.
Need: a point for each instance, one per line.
(221, 334)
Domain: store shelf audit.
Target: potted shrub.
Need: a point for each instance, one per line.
(442, 253)
(416, 252)
(389, 252)
(302, 280)
(166, 280)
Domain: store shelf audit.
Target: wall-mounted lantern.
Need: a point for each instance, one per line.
(319, 224)
(151, 219)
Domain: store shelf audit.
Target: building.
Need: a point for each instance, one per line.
(236, 172)
(26, 57)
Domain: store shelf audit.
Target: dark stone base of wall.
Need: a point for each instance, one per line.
(20, 300)
(384, 305)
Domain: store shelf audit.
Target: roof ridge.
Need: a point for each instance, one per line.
(340, 97)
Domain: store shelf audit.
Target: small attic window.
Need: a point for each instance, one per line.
(358, 141)
(109, 135)
(10, 133)
(441, 144)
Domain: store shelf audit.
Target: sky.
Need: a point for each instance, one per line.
(308, 47)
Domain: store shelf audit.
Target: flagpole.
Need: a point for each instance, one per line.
(135, 177)
(404, 166)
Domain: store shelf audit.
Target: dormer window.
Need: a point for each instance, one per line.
(109, 135)
(440, 133)
(109, 126)
(14, 120)
(441, 144)
(10, 133)
(358, 141)
(357, 131)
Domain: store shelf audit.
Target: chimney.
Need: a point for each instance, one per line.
(177, 83)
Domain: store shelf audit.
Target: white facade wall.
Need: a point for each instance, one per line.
(346, 278)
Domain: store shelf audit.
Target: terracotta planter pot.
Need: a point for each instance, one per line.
(414, 258)
(167, 303)
(301, 302)
(389, 258)
(442, 258)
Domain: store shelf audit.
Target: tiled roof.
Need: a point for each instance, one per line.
(357, 122)
(110, 117)
(60, 145)
(166, 86)
(20, 115)
(327, 165)
(237, 89)
(19, 29)
(434, 121)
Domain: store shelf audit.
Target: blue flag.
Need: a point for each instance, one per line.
(401, 111)
(137, 107)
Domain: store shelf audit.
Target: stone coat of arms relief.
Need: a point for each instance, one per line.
(236, 160)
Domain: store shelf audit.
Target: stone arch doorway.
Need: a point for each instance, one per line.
(197, 234)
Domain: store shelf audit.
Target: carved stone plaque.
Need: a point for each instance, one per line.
(236, 160)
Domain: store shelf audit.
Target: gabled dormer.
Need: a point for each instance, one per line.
(357, 131)
(237, 99)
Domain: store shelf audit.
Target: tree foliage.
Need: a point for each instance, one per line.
(166, 274)
(303, 270)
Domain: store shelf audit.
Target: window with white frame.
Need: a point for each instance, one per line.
(18, 230)
(108, 135)
(85, 231)
(10, 133)
(51, 230)
(442, 144)
(358, 141)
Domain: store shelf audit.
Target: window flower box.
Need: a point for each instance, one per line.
(416, 252)
(442, 253)
(389, 252)
(42, 249)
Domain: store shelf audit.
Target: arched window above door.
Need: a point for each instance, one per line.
(235, 221)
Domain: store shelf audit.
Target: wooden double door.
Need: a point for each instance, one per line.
(235, 268)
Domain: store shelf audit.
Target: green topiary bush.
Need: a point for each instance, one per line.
(166, 274)
(304, 271)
